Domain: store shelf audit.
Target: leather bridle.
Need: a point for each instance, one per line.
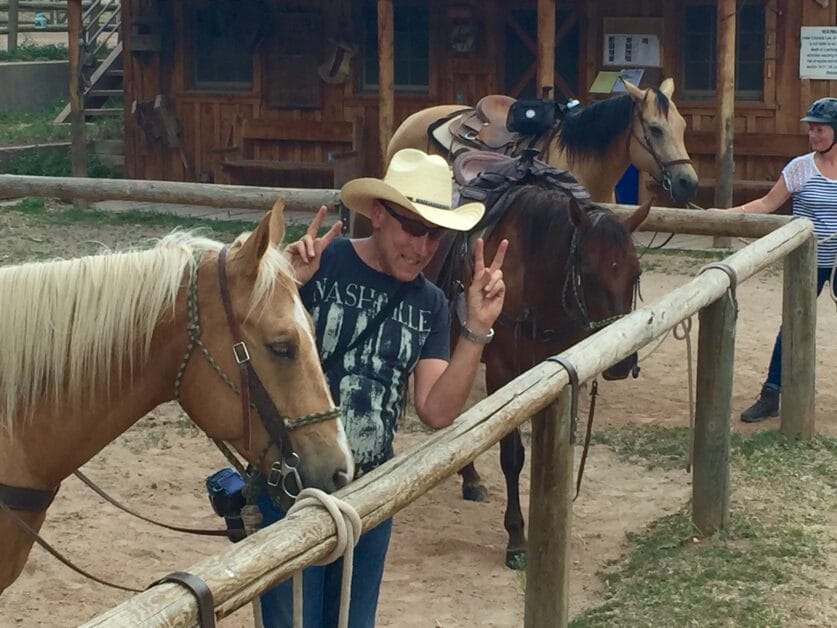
(648, 146)
(250, 389)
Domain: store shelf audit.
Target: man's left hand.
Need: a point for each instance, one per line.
(487, 290)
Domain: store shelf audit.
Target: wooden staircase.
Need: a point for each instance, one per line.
(102, 77)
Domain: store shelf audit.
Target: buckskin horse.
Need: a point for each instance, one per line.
(596, 143)
(571, 268)
(90, 345)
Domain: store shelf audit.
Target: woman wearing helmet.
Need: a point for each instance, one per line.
(812, 181)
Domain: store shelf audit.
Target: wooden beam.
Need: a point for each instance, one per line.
(710, 477)
(13, 16)
(550, 517)
(725, 102)
(546, 47)
(78, 147)
(224, 196)
(386, 74)
(799, 346)
(749, 144)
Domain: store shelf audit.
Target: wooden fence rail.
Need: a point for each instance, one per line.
(248, 568)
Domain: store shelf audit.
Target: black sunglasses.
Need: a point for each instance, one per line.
(414, 227)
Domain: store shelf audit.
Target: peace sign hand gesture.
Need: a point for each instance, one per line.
(304, 254)
(487, 290)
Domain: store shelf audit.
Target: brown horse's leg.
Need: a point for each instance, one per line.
(472, 487)
(512, 456)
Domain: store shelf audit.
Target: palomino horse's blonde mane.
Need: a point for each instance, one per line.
(65, 324)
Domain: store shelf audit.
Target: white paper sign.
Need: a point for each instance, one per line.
(818, 52)
(631, 49)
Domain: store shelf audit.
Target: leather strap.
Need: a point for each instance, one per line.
(242, 356)
(95, 488)
(37, 538)
(198, 588)
(28, 499)
(573, 375)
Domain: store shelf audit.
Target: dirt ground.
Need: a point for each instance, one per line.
(445, 567)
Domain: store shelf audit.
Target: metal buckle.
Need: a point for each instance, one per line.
(281, 471)
(288, 470)
(241, 353)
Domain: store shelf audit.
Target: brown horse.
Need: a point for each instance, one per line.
(90, 345)
(597, 143)
(570, 270)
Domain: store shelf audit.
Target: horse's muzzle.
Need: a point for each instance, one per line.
(622, 369)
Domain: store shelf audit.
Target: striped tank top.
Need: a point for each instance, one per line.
(814, 198)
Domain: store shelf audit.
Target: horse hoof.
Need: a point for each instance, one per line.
(475, 493)
(516, 559)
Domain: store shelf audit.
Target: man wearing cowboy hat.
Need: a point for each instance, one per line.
(346, 285)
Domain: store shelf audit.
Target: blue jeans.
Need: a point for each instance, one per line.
(321, 584)
(774, 370)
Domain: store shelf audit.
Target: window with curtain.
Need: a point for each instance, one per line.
(698, 53)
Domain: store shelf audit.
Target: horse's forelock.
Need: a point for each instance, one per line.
(663, 102)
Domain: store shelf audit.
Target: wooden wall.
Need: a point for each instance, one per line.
(767, 133)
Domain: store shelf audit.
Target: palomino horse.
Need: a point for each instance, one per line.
(90, 345)
(570, 269)
(597, 144)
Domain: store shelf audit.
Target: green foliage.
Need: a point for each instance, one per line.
(52, 164)
(69, 215)
(25, 127)
(28, 50)
(756, 571)
(651, 445)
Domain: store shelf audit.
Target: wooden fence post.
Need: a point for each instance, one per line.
(799, 347)
(550, 515)
(78, 148)
(710, 480)
(11, 38)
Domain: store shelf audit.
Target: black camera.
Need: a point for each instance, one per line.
(226, 494)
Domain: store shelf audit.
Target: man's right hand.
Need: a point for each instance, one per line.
(304, 254)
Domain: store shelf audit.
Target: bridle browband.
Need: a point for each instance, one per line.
(250, 389)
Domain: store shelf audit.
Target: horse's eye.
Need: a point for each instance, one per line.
(282, 349)
(656, 131)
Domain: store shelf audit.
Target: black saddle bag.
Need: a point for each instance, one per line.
(531, 117)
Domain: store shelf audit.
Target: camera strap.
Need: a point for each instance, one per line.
(372, 327)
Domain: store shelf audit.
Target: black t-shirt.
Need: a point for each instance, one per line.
(368, 380)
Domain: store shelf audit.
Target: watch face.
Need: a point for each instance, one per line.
(463, 37)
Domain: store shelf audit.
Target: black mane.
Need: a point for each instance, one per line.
(591, 131)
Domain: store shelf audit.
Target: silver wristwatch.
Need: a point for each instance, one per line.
(480, 339)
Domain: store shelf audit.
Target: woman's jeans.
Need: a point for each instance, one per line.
(774, 371)
(321, 585)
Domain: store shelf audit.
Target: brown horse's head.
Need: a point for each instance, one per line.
(576, 269)
(278, 335)
(657, 140)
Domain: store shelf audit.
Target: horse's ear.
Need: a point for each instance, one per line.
(667, 87)
(636, 219)
(578, 216)
(270, 232)
(636, 93)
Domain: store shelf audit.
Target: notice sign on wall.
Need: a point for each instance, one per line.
(818, 53)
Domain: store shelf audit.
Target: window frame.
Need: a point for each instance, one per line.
(192, 81)
(761, 96)
(370, 52)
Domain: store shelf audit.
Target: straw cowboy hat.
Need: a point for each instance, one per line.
(418, 182)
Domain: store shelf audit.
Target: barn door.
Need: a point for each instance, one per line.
(521, 33)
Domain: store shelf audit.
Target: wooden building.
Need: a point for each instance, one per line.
(276, 92)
